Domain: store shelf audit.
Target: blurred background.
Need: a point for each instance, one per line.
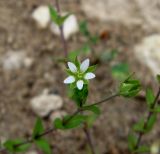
(121, 36)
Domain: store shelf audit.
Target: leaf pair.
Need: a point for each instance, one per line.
(38, 140)
(19, 145)
(56, 18)
(145, 127)
(132, 143)
(74, 121)
(69, 122)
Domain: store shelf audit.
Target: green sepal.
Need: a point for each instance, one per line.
(130, 87)
(80, 96)
(92, 68)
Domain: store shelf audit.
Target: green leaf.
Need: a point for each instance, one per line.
(158, 78)
(142, 149)
(56, 18)
(149, 97)
(62, 19)
(58, 123)
(43, 145)
(151, 122)
(132, 141)
(54, 14)
(120, 71)
(38, 128)
(129, 88)
(95, 109)
(69, 122)
(11, 145)
(156, 109)
(74, 121)
(139, 126)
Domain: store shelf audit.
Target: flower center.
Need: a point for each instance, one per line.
(79, 75)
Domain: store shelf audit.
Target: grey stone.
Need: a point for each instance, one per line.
(13, 60)
(135, 12)
(45, 103)
(148, 52)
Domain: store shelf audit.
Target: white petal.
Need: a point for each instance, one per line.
(80, 84)
(70, 79)
(72, 67)
(89, 76)
(84, 66)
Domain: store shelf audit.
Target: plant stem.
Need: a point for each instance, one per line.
(89, 139)
(52, 129)
(64, 42)
(140, 135)
(103, 100)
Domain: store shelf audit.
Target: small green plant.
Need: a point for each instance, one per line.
(145, 125)
(86, 113)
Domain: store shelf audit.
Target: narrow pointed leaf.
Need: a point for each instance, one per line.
(74, 122)
(132, 141)
(95, 109)
(149, 97)
(43, 145)
(38, 128)
(151, 122)
(142, 149)
(11, 145)
(139, 126)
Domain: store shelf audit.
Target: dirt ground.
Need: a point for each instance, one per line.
(19, 32)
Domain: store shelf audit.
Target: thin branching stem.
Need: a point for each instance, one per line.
(140, 135)
(104, 100)
(52, 129)
(64, 42)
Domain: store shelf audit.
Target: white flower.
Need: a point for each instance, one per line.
(79, 74)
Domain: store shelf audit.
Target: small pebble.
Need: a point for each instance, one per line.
(42, 16)
(45, 103)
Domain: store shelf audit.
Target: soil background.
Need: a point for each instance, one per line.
(18, 32)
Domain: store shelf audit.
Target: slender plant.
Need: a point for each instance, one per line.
(86, 113)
